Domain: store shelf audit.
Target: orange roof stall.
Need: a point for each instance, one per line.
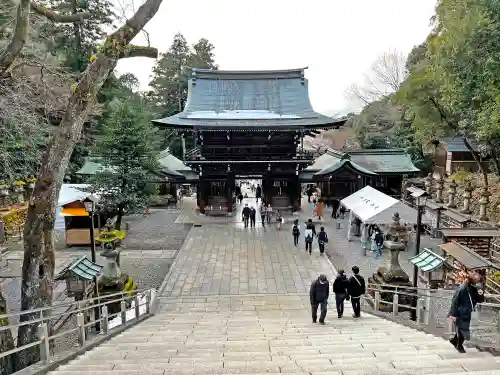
(77, 224)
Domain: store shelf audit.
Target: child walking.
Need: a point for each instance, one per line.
(322, 239)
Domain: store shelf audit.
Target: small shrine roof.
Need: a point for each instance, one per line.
(427, 260)
(344, 164)
(169, 165)
(470, 232)
(375, 161)
(82, 268)
(467, 257)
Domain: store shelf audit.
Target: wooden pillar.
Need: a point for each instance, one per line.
(229, 191)
(201, 194)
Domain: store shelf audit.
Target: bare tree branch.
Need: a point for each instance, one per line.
(60, 18)
(18, 40)
(139, 51)
(385, 77)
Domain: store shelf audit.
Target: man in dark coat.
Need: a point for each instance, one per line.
(253, 214)
(463, 304)
(246, 214)
(356, 289)
(340, 286)
(318, 294)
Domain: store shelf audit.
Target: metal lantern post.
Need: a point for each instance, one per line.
(90, 208)
(421, 200)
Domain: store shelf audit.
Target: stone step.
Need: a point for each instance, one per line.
(274, 340)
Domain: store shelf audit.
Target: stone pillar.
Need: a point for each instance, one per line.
(428, 184)
(467, 198)
(451, 194)
(439, 189)
(483, 204)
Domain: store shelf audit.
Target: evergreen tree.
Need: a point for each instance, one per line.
(78, 42)
(128, 151)
(169, 84)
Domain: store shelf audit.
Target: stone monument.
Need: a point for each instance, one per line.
(392, 274)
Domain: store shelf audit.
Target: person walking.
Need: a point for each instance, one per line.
(258, 193)
(246, 214)
(279, 220)
(340, 286)
(322, 240)
(269, 213)
(253, 214)
(356, 289)
(335, 208)
(464, 302)
(296, 232)
(379, 243)
(318, 294)
(309, 234)
(320, 207)
(263, 213)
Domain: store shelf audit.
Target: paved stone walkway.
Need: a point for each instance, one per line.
(229, 259)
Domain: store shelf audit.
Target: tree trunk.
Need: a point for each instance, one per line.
(494, 158)
(119, 217)
(7, 365)
(39, 257)
(477, 159)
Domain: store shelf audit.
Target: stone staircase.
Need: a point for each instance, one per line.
(272, 334)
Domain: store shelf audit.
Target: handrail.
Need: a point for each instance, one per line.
(141, 302)
(431, 307)
(68, 304)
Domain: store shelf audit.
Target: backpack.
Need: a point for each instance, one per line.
(309, 235)
(322, 237)
(295, 229)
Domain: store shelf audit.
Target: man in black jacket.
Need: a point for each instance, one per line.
(246, 214)
(464, 302)
(340, 286)
(253, 214)
(319, 292)
(356, 289)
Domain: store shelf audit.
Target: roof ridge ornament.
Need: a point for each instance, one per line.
(302, 77)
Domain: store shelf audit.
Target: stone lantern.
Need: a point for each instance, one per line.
(393, 274)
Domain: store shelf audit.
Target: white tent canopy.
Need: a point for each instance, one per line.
(374, 207)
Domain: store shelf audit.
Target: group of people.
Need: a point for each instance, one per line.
(463, 304)
(309, 235)
(249, 216)
(344, 288)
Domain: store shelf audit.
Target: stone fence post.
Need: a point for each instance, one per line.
(439, 189)
(467, 198)
(452, 194)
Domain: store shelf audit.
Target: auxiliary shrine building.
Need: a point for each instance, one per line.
(251, 124)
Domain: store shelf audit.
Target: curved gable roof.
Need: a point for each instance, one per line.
(346, 163)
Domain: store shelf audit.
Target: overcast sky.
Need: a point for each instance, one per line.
(337, 39)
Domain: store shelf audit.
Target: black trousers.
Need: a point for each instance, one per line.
(458, 339)
(295, 239)
(309, 247)
(263, 218)
(339, 301)
(321, 248)
(245, 220)
(324, 308)
(252, 222)
(356, 306)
